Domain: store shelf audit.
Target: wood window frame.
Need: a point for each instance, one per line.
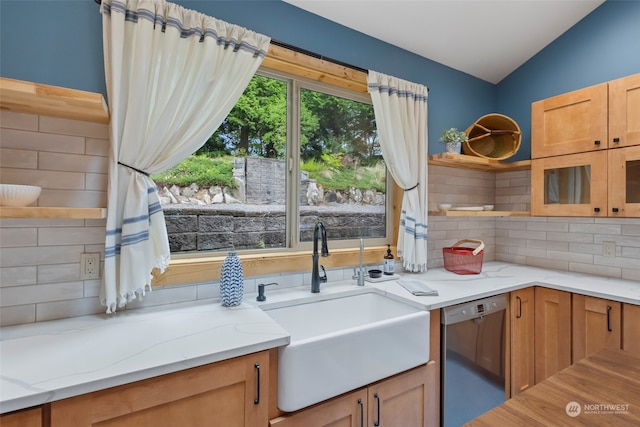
(200, 268)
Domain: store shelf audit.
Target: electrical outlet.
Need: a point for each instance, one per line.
(90, 266)
(609, 249)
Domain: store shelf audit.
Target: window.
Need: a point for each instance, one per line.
(292, 152)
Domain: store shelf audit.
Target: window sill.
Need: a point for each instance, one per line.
(207, 269)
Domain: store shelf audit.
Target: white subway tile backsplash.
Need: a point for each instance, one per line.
(630, 274)
(18, 257)
(56, 125)
(17, 314)
(58, 273)
(97, 147)
(73, 198)
(597, 270)
(25, 140)
(18, 237)
(30, 294)
(40, 222)
(45, 179)
(68, 308)
(13, 120)
(22, 159)
(39, 266)
(16, 276)
(72, 163)
(71, 236)
(92, 287)
(95, 181)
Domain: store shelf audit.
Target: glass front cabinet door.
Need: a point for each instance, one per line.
(624, 182)
(572, 185)
(594, 184)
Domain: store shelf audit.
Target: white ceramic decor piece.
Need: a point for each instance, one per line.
(231, 281)
(346, 342)
(18, 195)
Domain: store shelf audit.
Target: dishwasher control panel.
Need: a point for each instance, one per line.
(473, 309)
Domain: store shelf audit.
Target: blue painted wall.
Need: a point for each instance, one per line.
(603, 46)
(59, 42)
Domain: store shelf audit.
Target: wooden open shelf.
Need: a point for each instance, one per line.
(477, 163)
(51, 212)
(46, 100)
(478, 213)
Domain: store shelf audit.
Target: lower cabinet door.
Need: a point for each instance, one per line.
(596, 325)
(349, 410)
(230, 393)
(521, 313)
(402, 400)
(25, 418)
(552, 332)
(631, 328)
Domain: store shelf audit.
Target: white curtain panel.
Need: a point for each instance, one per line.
(172, 77)
(401, 118)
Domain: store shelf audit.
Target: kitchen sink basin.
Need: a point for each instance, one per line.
(345, 342)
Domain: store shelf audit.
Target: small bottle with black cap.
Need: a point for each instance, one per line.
(388, 262)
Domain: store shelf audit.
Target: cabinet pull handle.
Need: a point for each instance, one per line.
(614, 210)
(616, 140)
(596, 210)
(256, 401)
(609, 319)
(361, 412)
(519, 315)
(377, 423)
(596, 142)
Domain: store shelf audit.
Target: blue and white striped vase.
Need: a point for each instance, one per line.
(231, 281)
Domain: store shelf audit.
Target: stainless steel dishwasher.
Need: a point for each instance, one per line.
(473, 352)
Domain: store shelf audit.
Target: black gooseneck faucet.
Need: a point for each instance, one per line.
(318, 232)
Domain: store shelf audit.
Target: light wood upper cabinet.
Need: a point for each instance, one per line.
(573, 122)
(552, 332)
(522, 340)
(596, 324)
(624, 181)
(230, 393)
(571, 185)
(624, 111)
(631, 328)
(568, 178)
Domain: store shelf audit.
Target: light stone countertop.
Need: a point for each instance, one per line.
(48, 361)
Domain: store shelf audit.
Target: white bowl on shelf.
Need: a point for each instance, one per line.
(487, 207)
(444, 206)
(18, 195)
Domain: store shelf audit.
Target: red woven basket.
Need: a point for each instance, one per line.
(464, 260)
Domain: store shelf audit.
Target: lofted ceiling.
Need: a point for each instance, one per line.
(487, 39)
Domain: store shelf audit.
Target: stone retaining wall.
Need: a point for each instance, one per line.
(205, 229)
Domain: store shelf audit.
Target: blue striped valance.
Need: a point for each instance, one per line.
(201, 33)
(398, 92)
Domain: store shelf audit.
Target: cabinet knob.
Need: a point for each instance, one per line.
(616, 140)
(596, 210)
(596, 142)
(614, 210)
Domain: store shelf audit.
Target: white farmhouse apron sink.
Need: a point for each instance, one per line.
(345, 342)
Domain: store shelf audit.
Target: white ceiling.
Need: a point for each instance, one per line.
(485, 38)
